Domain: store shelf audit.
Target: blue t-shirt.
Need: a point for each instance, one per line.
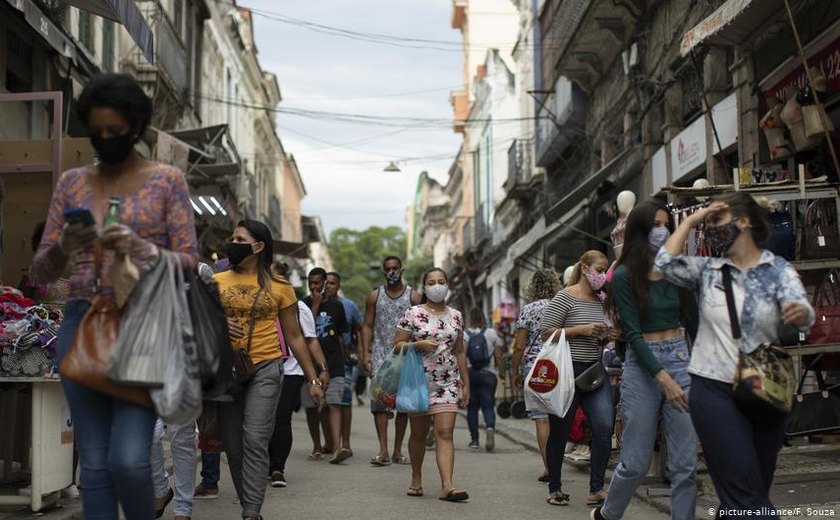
(354, 318)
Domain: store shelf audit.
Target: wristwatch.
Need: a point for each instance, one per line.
(322, 368)
(315, 382)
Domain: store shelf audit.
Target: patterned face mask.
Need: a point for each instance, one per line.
(721, 238)
(394, 277)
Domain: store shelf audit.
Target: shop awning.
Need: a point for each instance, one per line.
(126, 13)
(628, 161)
(732, 23)
(213, 155)
(43, 26)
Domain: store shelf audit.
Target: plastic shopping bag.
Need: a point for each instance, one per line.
(179, 401)
(386, 382)
(215, 355)
(550, 385)
(149, 328)
(413, 390)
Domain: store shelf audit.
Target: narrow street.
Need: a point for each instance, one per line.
(502, 484)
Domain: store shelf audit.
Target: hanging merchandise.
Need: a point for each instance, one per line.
(820, 238)
(812, 101)
(792, 116)
(814, 412)
(782, 239)
(826, 305)
(774, 132)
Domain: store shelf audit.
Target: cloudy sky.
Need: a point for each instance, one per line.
(342, 162)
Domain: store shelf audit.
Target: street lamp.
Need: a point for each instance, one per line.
(392, 167)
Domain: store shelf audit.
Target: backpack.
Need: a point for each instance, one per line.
(477, 351)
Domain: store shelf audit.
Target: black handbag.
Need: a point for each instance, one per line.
(763, 385)
(244, 369)
(592, 378)
(782, 239)
(814, 412)
(215, 355)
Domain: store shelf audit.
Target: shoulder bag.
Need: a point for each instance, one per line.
(764, 379)
(243, 366)
(814, 412)
(88, 357)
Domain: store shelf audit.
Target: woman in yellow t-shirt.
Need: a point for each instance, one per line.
(253, 299)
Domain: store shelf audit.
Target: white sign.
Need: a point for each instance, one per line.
(725, 116)
(659, 171)
(688, 149)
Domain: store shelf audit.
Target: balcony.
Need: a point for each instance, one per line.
(483, 232)
(560, 122)
(461, 107)
(519, 168)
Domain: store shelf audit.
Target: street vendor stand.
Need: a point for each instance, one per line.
(36, 438)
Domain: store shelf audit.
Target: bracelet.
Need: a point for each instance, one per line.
(322, 368)
(315, 382)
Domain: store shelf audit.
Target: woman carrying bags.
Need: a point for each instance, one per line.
(578, 310)
(253, 299)
(436, 331)
(740, 445)
(655, 382)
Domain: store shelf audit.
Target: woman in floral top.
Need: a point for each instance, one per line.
(541, 289)
(437, 332)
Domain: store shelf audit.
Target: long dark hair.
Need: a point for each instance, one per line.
(426, 275)
(742, 204)
(261, 233)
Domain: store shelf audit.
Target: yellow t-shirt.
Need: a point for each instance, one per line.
(238, 292)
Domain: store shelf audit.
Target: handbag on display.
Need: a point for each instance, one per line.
(764, 379)
(774, 132)
(814, 412)
(820, 235)
(782, 239)
(88, 357)
(826, 305)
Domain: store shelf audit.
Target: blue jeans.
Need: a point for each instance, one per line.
(182, 446)
(211, 470)
(740, 451)
(599, 408)
(642, 404)
(483, 396)
(114, 439)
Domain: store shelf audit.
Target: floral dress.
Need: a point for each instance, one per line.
(441, 366)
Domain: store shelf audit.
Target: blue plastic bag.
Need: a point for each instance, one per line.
(413, 392)
(384, 385)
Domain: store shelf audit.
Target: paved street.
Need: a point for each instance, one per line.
(502, 484)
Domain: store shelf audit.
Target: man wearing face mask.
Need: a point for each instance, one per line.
(383, 309)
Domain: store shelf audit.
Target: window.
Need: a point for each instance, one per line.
(692, 94)
(86, 30)
(108, 45)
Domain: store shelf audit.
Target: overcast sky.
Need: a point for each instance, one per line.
(346, 185)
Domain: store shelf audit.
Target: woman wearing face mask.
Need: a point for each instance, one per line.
(655, 382)
(253, 299)
(437, 332)
(114, 437)
(739, 446)
(579, 311)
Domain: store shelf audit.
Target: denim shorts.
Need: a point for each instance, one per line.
(337, 392)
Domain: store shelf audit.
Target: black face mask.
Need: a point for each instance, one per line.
(113, 150)
(236, 253)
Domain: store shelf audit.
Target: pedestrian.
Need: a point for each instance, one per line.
(182, 447)
(114, 437)
(542, 287)
(436, 331)
(740, 446)
(384, 308)
(578, 310)
(655, 383)
(211, 462)
(484, 357)
(317, 417)
(351, 355)
(254, 299)
(290, 396)
(331, 325)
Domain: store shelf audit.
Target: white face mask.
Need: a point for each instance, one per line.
(437, 293)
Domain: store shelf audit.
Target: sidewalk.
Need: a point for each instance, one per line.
(807, 475)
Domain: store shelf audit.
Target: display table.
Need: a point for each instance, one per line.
(51, 439)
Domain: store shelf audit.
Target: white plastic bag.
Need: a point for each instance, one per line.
(550, 385)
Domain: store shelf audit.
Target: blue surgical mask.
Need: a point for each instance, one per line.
(657, 238)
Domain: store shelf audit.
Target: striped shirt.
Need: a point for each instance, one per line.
(567, 311)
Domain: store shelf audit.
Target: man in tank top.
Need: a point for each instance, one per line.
(383, 309)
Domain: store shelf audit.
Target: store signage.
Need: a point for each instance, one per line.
(827, 60)
(713, 23)
(688, 149)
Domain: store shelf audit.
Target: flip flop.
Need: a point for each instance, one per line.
(341, 456)
(402, 459)
(456, 495)
(314, 456)
(415, 492)
(380, 461)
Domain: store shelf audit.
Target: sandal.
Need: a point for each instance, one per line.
(415, 492)
(380, 461)
(314, 456)
(559, 499)
(456, 495)
(402, 459)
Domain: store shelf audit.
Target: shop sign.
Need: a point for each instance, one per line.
(688, 149)
(659, 170)
(827, 60)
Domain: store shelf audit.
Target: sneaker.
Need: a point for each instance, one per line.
(278, 480)
(596, 499)
(162, 502)
(491, 439)
(70, 491)
(203, 491)
(595, 514)
(474, 445)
